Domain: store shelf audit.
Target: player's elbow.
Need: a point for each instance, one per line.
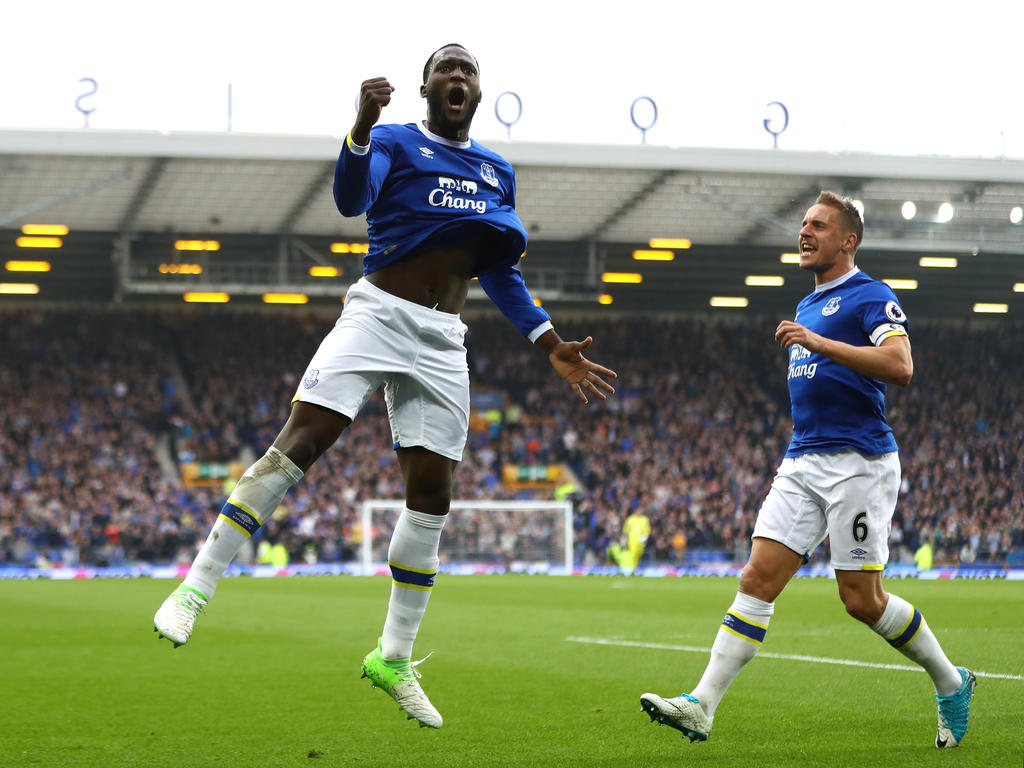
(903, 374)
(346, 206)
(349, 201)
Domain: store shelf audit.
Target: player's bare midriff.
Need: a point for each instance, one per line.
(436, 278)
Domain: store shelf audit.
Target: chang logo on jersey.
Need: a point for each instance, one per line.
(457, 185)
(488, 174)
(831, 306)
(804, 369)
(797, 353)
(445, 195)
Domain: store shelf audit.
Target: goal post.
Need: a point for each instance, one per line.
(513, 533)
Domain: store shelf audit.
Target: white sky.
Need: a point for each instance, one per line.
(900, 77)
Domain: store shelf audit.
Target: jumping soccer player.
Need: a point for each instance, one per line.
(839, 478)
(440, 210)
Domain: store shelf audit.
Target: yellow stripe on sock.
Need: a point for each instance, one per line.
(904, 627)
(741, 636)
(916, 633)
(235, 525)
(244, 508)
(411, 586)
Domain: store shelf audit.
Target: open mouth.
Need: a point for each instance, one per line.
(456, 97)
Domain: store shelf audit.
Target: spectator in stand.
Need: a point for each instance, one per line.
(627, 551)
(923, 555)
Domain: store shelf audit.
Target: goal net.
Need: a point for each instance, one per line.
(481, 536)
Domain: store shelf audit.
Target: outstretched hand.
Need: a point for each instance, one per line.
(583, 376)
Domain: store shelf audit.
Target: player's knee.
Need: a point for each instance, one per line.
(303, 447)
(749, 579)
(857, 611)
(433, 500)
(757, 581)
(429, 482)
(862, 606)
(429, 492)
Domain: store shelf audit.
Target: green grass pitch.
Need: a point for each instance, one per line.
(271, 677)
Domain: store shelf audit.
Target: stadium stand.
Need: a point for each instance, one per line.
(101, 410)
(120, 427)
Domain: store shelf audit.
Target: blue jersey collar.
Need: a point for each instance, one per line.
(442, 140)
(837, 282)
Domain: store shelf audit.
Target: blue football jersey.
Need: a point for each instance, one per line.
(414, 185)
(834, 407)
(419, 191)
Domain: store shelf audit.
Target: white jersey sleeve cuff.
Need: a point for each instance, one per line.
(885, 331)
(540, 330)
(356, 149)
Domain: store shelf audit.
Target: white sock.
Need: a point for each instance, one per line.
(738, 641)
(903, 626)
(258, 493)
(412, 555)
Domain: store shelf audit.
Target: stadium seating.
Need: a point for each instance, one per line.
(100, 408)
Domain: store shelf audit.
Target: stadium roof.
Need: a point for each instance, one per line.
(127, 197)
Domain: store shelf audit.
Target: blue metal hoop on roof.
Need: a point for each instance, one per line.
(654, 116)
(785, 123)
(519, 111)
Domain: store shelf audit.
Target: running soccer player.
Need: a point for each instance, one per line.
(440, 211)
(839, 478)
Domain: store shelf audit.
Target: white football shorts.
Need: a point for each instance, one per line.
(846, 496)
(418, 354)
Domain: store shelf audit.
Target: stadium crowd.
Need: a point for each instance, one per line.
(99, 410)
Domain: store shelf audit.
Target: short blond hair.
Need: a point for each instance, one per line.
(849, 216)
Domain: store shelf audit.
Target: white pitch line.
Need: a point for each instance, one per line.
(767, 655)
